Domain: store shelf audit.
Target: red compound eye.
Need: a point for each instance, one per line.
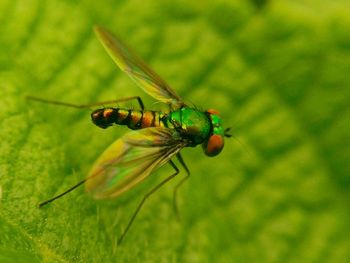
(214, 145)
(212, 111)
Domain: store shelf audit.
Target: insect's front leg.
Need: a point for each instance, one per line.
(175, 203)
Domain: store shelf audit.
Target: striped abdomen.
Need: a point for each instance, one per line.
(132, 118)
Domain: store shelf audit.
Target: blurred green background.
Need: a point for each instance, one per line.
(278, 71)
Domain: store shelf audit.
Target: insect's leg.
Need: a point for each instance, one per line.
(176, 208)
(82, 106)
(139, 100)
(62, 194)
(153, 190)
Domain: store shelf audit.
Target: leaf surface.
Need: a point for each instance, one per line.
(278, 71)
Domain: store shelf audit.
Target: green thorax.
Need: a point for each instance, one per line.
(192, 124)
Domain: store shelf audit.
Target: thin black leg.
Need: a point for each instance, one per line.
(82, 106)
(62, 194)
(176, 208)
(153, 190)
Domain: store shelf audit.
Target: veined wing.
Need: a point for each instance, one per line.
(134, 66)
(131, 159)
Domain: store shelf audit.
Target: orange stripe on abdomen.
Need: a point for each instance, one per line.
(135, 120)
(148, 119)
(122, 116)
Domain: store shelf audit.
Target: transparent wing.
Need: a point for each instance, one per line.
(131, 159)
(133, 65)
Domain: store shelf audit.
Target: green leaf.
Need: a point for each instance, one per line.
(278, 71)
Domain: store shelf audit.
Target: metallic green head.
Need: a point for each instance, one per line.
(200, 128)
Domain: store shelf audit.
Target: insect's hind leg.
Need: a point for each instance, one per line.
(62, 194)
(175, 204)
(83, 106)
(153, 190)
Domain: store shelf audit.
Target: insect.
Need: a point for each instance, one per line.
(157, 136)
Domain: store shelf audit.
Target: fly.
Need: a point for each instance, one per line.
(157, 136)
